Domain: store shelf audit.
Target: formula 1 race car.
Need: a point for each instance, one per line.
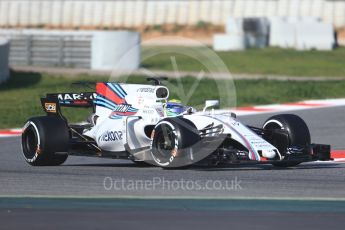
(137, 122)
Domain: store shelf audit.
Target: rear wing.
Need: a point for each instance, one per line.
(54, 101)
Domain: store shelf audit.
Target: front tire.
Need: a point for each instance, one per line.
(298, 133)
(172, 142)
(45, 141)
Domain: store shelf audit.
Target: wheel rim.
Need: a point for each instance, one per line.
(272, 125)
(164, 143)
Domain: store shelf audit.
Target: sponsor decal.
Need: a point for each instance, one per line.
(122, 108)
(174, 152)
(80, 102)
(148, 111)
(50, 107)
(235, 123)
(111, 136)
(154, 120)
(38, 150)
(146, 90)
(140, 100)
(76, 96)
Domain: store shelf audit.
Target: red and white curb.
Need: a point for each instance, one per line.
(302, 105)
(10, 132)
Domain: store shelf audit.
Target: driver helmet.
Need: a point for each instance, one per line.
(174, 107)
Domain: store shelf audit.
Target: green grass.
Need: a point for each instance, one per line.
(269, 61)
(19, 97)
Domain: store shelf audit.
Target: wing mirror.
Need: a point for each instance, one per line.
(210, 103)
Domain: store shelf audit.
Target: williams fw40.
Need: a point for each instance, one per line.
(137, 122)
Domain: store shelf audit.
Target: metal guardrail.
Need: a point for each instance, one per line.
(51, 51)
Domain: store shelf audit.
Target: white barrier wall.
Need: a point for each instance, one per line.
(242, 33)
(228, 42)
(119, 50)
(4, 55)
(131, 13)
(282, 33)
(314, 35)
(98, 50)
(301, 33)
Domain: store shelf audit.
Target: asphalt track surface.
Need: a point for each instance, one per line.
(296, 192)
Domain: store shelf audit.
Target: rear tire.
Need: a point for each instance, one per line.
(297, 129)
(42, 138)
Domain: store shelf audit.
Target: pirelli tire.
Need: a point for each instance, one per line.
(171, 141)
(45, 141)
(297, 129)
